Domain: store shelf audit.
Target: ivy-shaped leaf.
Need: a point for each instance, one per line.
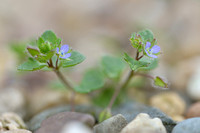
(92, 80)
(134, 64)
(31, 65)
(146, 35)
(50, 36)
(33, 52)
(112, 66)
(75, 59)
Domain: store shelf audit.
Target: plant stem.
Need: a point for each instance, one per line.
(65, 82)
(67, 85)
(121, 86)
(145, 75)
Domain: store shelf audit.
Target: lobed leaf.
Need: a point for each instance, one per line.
(33, 52)
(75, 59)
(146, 35)
(134, 64)
(112, 66)
(50, 36)
(31, 65)
(92, 80)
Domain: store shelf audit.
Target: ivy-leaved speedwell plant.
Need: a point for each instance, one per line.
(50, 54)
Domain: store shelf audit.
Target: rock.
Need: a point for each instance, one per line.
(193, 111)
(193, 87)
(55, 123)
(36, 121)
(112, 125)
(17, 131)
(170, 103)
(131, 110)
(52, 98)
(191, 125)
(144, 124)
(76, 127)
(11, 121)
(12, 100)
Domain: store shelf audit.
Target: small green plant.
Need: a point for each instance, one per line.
(50, 54)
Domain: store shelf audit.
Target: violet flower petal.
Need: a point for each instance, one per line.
(148, 45)
(66, 56)
(155, 49)
(65, 48)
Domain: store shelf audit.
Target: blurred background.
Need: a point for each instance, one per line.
(95, 28)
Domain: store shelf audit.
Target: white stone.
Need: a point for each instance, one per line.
(144, 124)
(193, 88)
(76, 127)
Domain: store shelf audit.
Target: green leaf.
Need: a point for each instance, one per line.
(134, 64)
(33, 51)
(105, 114)
(136, 41)
(92, 80)
(31, 65)
(152, 63)
(146, 35)
(75, 59)
(44, 47)
(50, 36)
(19, 50)
(159, 82)
(45, 58)
(112, 66)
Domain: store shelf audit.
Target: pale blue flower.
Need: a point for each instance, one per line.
(64, 51)
(152, 51)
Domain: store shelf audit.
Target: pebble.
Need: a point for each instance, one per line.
(12, 99)
(193, 110)
(112, 125)
(76, 127)
(52, 98)
(36, 121)
(11, 121)
(55, 123)
(144, 124)
(193, 87)
(17, 131)
(191, 125)
(169, 102)
(131, 110)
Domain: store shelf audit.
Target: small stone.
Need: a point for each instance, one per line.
(112, 125)
(131, 110)
(193, 87)
(36, 121)
(11, 121)
(169, 102)
(76, 127)
(193, 110)
(55, 123)
(17, 131)
(144, 124)
(191, 125)
(12, 99)
(178, 118)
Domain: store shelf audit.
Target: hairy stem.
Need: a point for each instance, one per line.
(67, 85)
(123, 84)
(144, 75)
(64, 81)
